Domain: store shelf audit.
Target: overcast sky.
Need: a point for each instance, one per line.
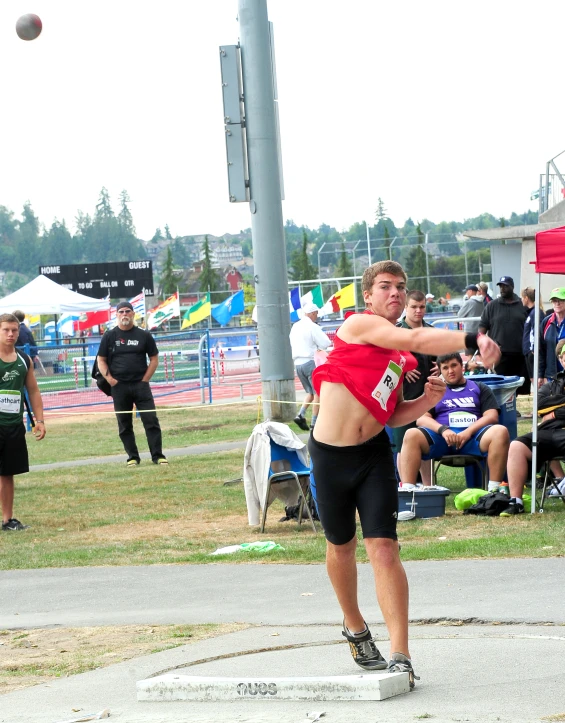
(444, 109)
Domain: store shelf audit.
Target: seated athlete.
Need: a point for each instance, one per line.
(464, 421)
(551, 440)
(360, 388)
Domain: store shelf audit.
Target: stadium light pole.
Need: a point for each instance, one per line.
(267, 229)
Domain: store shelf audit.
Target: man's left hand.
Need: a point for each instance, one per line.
(39, 431)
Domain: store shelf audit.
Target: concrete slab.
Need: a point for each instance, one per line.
(480, 674)
(312, 688)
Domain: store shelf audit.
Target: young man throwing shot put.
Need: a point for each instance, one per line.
(360, 389)
(16, 374)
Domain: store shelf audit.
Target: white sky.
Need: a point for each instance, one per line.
(444, 109)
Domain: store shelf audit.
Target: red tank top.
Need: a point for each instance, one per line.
(372, 374)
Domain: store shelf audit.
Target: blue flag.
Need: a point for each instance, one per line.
(228, 308)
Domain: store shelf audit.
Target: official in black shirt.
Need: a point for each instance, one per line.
(122, 360)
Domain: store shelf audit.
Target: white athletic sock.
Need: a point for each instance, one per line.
(519, 500)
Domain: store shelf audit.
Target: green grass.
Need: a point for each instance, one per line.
(110, 515)
(96, 435)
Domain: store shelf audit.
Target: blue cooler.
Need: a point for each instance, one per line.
(504, 390)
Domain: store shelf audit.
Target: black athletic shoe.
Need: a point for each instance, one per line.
(514, 508)
(302, 423)
(399, 663)
(13, 525)
(364, 651)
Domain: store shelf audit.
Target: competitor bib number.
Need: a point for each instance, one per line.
(461, 419)
(387, 384)
(10, 401)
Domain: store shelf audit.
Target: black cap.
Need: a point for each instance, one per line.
(506, 280)
(124, 305)
(471, 287)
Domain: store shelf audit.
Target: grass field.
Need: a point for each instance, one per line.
(110, 515)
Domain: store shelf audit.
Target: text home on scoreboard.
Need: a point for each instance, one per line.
(119, 279)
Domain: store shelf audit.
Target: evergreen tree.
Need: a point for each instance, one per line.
(168, 233)
(157, 236)
(168, 277)
(416, 262)
(125, 219)
(209, 278)
(300, 263)
(27, 251)
(380, 213)
(343, 267)
(387, 242)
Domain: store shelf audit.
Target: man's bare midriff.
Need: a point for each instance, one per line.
(343, 421)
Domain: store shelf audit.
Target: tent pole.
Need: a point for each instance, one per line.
(535, 390)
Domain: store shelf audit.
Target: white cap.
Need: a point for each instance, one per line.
(430, 296)
(309, 308)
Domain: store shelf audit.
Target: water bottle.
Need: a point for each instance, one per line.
(504, 489)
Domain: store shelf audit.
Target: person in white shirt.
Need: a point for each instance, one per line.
(306, 338)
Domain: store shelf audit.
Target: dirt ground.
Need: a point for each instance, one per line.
(31, 657)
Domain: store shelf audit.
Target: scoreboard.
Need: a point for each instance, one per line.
(118, 279)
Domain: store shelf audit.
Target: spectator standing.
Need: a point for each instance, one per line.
(471, 307)
(429, 303)
(529, 301)
(25, 335)
(483, 291)
(504, 320)
(16, 372)
(415, 381)
(552, 331)
(122, 360)
(306, 338)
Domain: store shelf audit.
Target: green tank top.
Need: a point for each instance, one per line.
(12, 381)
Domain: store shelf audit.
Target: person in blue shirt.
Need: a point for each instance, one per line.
(529, 301)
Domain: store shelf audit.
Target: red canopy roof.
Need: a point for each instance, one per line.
(550, 251)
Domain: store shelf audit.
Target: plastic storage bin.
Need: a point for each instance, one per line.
(427, 503)
(504, 390)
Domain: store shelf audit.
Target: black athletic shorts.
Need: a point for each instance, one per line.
(359, 478)
(551, 444)
(13, 450)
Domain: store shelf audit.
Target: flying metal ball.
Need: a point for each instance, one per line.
(29, 26)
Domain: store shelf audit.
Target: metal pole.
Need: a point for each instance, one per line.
(535, 389)
(427, 263)
(319, 252)
(368, 242)
(466, 266)
(267, 230)
(546, 196)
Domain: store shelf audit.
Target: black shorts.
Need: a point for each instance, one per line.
(13, 450)
(551, 444)
(359, 478)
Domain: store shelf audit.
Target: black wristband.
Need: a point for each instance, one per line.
(442, 429)
(471, 342)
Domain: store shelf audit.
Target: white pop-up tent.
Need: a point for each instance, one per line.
(43, 296)
(550, 259)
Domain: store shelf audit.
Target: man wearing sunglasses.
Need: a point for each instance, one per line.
(122, 360)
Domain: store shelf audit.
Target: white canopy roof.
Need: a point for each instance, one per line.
(43, 296)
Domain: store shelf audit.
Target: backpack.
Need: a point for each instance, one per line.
(491, 504)
(101, 382)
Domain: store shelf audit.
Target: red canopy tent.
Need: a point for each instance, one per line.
(550, 259)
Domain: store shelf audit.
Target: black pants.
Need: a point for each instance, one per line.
(125, 395)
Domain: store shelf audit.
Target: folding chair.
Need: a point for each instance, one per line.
(549, 483)
(462, 460)
(289, 458)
